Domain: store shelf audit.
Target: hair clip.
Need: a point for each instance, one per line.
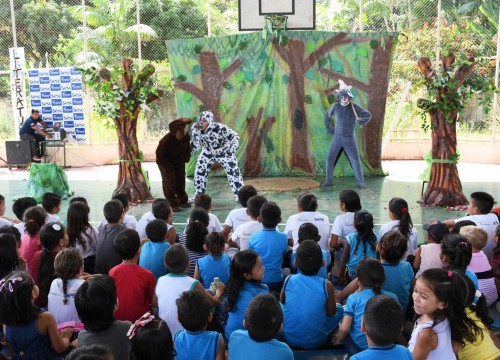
(56, 227)
(463, 243)
(404, 210)
(450, 273)
(477, 295)
(143, 320)
(10, 282)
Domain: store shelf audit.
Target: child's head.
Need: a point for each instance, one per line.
(460, 224)
(90, 352)
(68, 265)
(17, 294)
(308, 231)
(477, 236)
(382, 320)
(270, 215)
(195, 236)
(123, 198)
(399, 210)
(307, 202)
(456, 252)
(436, 232)
(21, 205)
(2, 205)
(263, 317)
(9, 257)
(78, 198)
(309, 257)
(393, 246)
(52, 236)
(349, 201)
(34, 219)
(12, 230)
(254, 204)
(480, 203)
(51, 202)
(244, 193)
(363, 223)
(371, 274)
(199, 214)
(96, 302)
(193, 310)
(246, 266)
(214, 244)
(162, 210)
(204, 201)
(153, 341)
(127, 244)
(156, 230)
(176, 259)
(78, 222)
(113, 211)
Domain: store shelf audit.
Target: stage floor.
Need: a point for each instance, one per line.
(98, 182)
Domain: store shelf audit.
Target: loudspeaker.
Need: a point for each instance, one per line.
(18, 152)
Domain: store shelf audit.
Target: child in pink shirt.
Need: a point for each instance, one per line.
(34, 219)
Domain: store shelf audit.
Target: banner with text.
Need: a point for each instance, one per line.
(17, 85)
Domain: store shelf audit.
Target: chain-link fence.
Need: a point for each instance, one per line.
(60, 33)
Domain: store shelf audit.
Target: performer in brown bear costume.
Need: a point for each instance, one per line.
(172, 154)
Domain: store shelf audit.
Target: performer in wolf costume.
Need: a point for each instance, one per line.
(347, 115)
(219, 143)
(172, 154)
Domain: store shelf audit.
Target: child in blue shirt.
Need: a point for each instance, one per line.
(371, 277)
(309, 231)
(153, 250)
(194, 341)
(270, 244)
(263, 320)
(311, 313)
(382, 324)
(398, 273)
(216, 264)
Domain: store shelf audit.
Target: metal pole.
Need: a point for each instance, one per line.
(139, 50)
(361, 15)
(497, 70)
(84, 25)
(209, 18)
(13, 16)
(438, 40)
(88, 107)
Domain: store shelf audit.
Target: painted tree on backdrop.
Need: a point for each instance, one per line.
(122, 102)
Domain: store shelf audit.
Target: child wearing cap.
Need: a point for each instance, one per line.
(427, 256)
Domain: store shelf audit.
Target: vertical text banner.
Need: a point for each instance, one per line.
(58, 93)
(17, 86)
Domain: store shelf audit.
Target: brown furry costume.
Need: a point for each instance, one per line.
(171, 156)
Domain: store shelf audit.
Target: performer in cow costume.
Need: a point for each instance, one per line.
(347, 115)
(218, 143)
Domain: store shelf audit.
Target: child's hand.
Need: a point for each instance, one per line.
(219, 288)
(336, 338)
(22, 264)
(86, 276)
(67, 332)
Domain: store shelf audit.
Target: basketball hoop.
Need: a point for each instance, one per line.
(275, 26)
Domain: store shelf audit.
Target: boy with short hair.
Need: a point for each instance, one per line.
(153, 250)
(382, 324)
(194, 341)
(480, 205)
(96, 303)
(309, 231)
(129, 220)
(237, 217)
(270, 244)
(263, 319)
(106, 256)
(160, 209)
(19, 207)
(241, 236)
(51, 203)
(135, 286)
(310, 315)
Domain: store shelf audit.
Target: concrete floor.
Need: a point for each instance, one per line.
(96, 183)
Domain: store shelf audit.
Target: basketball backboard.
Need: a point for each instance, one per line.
(301, 13)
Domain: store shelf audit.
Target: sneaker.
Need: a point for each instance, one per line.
(37, 158)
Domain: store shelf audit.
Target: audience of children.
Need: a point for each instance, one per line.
(154, 248)
(428, 256)
(240, 238)
(161, 210)
(239, 216)
(135, 285)
(128, 220)
(214, 265)
(81, 234)
(193, 237)
(309, 231)
(311, 313)
(51, 203)
(263, 320)
(194, 341)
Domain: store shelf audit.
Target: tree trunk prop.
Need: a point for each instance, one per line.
(131, 180)
(444, 187)
(212, 80)
(253, 161)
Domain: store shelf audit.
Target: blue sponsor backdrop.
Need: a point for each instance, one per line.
(59, 94)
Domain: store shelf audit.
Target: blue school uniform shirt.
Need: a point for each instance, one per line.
(398, 278)
(473, 277)
(247, 293)
(151, 258)
(270, 245)
(196, 345)
(306, 323)
(243, 347)
(384, 352)
(355, 307)
(322, 270)
(210, 267)
(356, 257)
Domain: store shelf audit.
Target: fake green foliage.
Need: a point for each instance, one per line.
(47, 178)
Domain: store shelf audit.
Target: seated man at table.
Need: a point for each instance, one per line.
(30, 131)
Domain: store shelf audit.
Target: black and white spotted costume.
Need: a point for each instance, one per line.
(218, 143)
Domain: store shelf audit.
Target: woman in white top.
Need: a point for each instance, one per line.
(401, 221)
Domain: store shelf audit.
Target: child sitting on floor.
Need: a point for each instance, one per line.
(237, 217)
(154, 248)
(240, 239)
(51, 203)
(427, 256)
(215, 264)
(309, 231)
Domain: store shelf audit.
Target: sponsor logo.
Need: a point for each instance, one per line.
(66, 94)
(34, 81)
(46, 102)
(34, 88)
(56, 102)
(55, 87)
(80, 131)
(66, 87)
(77, 101)
(45, 95)
(45, 87)
(36, 103)
(79, 124)
(78, 116)
(47, 117)
(43, 72)
(33, 73)
(66, 79)
(44, 80)
(55, 94)
(67, 109)
(54, 72)
(57, 110)
(35, 96)
(67, 117)
(57, 117)
(65, 71)
(46, 110)
(69, 124)
(76, 86)
(49, 124)
(74, 71)
(67, 102)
